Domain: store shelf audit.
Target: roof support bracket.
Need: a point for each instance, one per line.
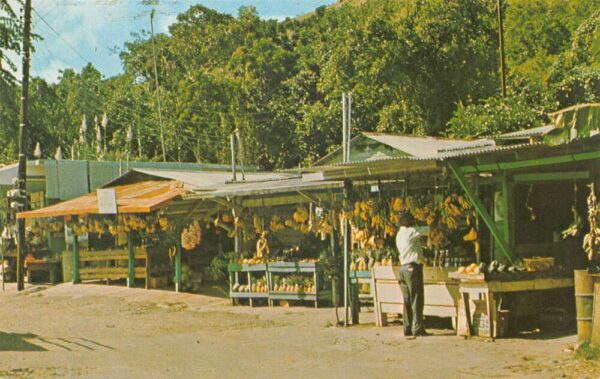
(480, 208)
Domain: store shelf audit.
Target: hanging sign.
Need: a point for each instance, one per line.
(107, 201)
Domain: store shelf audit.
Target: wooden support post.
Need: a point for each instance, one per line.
(508, 200)
(76, 278)
(480, 208)
(130, 261)
(178, 257)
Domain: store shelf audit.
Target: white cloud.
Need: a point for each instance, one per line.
(51, 71)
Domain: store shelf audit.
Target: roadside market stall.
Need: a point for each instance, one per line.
(282, 232)
(527, 194)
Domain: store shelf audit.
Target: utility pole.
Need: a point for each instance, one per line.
(160, 122)
(22, 168)
(501, 51)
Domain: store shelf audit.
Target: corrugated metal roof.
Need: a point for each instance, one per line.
(142, 197)
(526, 133)
(269, 187)
(438, 157)
(204, 180)
(427, 147)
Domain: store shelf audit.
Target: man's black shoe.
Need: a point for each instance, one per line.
(422, 334)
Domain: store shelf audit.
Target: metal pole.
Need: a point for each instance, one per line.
(501, 51)
(349, 128)
(241, 147)
(22, 169)
(178, 258)
(344, 127)
(233, 157)
(162, 135)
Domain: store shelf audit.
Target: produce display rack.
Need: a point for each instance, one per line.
(311, 268)
(237, 270)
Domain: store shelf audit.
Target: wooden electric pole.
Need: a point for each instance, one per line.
(22, 169)
(501, 50)
(160, 121)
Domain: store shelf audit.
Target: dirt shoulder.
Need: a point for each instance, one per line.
(107, 331)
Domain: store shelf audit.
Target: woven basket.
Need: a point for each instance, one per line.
(539, 263)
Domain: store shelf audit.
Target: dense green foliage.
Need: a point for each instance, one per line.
(414, 67)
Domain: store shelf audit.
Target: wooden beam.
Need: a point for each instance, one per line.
(566, 158)
(551, 176)
(273, 201)
(225, 203)
(480, 208)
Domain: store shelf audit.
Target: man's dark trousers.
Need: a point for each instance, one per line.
(411, 282)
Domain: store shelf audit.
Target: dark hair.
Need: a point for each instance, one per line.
(406, 219)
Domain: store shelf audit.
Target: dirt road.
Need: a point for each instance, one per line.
(102, 331)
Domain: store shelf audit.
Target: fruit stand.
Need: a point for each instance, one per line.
(243, 282)
(297, 281)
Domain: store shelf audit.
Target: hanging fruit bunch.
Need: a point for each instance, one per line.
(591, 241)
(97, 226)
(258, 224)
(56, 226)
(79, 228)
(262, 247)
(276, 225)
(473, 237)
(303, 219)
(191, 236)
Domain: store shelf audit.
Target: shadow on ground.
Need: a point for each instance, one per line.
(18, 342)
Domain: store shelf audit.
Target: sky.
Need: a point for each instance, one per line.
(76, 32)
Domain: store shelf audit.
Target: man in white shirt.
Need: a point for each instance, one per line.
(408, 242)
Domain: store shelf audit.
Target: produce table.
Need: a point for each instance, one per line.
(488, 288)
(441, 293)
(245, 271)
(235, 271)
(310, 268)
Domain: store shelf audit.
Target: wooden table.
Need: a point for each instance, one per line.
(488, 289)
(441, 293)
(51, 267)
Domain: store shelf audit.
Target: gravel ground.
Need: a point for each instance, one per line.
(98, 331)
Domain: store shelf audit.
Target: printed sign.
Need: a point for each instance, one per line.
(107, 200)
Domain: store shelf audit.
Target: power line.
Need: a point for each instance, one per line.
(61, 37)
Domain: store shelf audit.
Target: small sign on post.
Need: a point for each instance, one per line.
(107, 201)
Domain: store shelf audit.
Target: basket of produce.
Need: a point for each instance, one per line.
(539, 263)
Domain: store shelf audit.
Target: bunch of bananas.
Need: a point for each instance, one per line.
(389, 230)
(191, 236)
(300, 215)
(56, 226)
(262, 247)
(436, 239)
(377, 222)
(472, 236)
(276, 225)
(257, 223)
(397, 204)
